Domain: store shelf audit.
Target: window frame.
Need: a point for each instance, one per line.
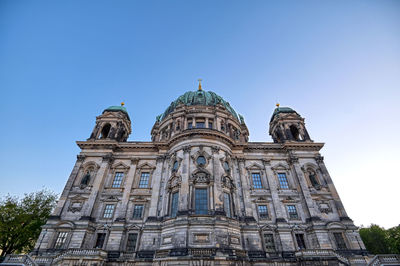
(228, 195)
(195, 200)
(172, 203)
(270, 250)
(127, 242)
(65, 238)
(343, 239)
(260, 184)
(140, 179)
(291, 213)
(105, 209)
(118, 182)
(286, 180)
(259, 213)
(95, 246)
(141, 213)
(302, 237)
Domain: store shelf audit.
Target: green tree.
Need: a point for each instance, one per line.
(375, 239)
(394, 239)
(21, 220)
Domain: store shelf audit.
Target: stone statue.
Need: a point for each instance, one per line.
(86, 179)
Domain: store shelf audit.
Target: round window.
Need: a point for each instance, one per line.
(201, 160)
(175, 166)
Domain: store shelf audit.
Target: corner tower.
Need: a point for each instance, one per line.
(287, 125)
(113, 124)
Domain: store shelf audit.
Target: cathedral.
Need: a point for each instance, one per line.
(199, 193)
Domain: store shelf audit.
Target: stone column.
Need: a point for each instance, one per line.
(219, 205)
(162, 187)
(236, 177)
(156, 186)
(339, 206)
(184, 192)
(246, 188)
(63, 198)
(97, 184)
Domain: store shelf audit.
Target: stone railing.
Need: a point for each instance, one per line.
(128, 255)
(202, 252)
(390, 259)
(162, 253)
(43, 260)
(321, 253)
(81, 253)
(19, 259)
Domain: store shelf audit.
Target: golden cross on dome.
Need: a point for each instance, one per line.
(200, 80)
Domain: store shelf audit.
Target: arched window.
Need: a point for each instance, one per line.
(228, 204)
(201, 201)
(174, 204)
(105, 131)
(200, 187)
(295, 132)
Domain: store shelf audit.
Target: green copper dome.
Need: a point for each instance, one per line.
(279, 110)
(117, 109)
(199, 97)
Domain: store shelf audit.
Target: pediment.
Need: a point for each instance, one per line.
(66, 225)
(335, 225)
(120, 165)
(255, 166)
(78, 198)
(146, 165)
(280, 166)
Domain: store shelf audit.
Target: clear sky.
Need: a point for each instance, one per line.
(336, 62)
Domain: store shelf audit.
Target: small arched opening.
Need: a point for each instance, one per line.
(295, 132)
(105, 131)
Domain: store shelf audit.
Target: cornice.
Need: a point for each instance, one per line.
(207, 134)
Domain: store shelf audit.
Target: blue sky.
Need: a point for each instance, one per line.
(336, 62)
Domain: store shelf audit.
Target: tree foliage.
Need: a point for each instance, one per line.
(377, 240)
(21, 220)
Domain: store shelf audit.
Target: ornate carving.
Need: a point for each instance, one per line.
(108, 158)
(174, 181)
(227, 182)
(75, 206)
(201, 177)
(324, 207)
(319, 158)
(187, 148)
(80, 158)
(161, 158)
(215, 149)
(292, 159)
(240, 160)
(134, 160)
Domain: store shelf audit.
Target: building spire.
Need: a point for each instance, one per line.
(122, 103)
(200, 80)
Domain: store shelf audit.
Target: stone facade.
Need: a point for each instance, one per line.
(199, 193)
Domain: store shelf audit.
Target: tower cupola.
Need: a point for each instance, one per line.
(113, 124)
(287, 125)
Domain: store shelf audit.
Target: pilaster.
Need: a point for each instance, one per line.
(61, 202)
(156, 186)
(97, 184)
